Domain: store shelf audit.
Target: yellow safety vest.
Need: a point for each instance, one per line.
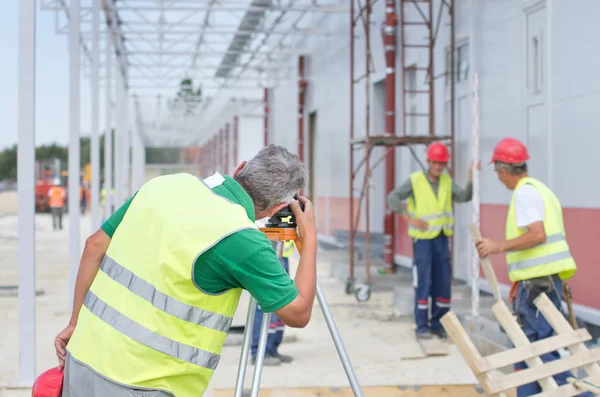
(288, 249)
(551, 257)
(144, 322)
(437, 211)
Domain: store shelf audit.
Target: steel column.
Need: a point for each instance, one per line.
(118, 139)
(220, 151)
(95, 140)
(235, 141)
(26, 191)
(108, 135)
(266, 117)
(227, 146)
(301, 96)
(74, 150)
(127, 140)
(137, 166)
(389, 41)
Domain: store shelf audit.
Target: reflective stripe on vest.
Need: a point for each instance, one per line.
(551, 257)
(148, 338)
(425, 205)
(144, 322)
(162, 301)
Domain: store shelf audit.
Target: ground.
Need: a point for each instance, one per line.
(379, 340)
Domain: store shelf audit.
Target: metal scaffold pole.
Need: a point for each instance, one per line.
(74, 150)
(26, 191)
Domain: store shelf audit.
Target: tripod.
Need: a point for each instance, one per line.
(278, 232)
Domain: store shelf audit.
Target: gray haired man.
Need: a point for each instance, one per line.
(159, 282)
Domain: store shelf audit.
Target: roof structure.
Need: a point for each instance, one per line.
(177, 56)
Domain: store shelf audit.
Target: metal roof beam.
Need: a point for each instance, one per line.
(112, 20)
(188, 53)
(223, 7)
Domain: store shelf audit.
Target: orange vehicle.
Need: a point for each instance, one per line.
(46, 173)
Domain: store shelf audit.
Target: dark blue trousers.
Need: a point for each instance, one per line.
(275, 327)
(536, 327)
(431, 278)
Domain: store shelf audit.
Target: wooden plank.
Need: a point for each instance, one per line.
(547, 369)
(368, 391)
(433, 347)
(522, 353)
(486, 264)
(461, 339)
(518, 338)
(467, 349)
(561, 326)
(567, 390)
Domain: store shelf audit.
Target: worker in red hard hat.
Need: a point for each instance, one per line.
(537, 253)
(430, 222)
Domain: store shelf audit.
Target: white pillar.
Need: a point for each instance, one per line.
(475, 201)
(118, 139)
(138, 151)
(74, 126)
(26, 191)
(108, 154)
(95, 143)
(126, 146)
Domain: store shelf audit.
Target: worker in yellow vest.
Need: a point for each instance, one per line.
(276, 325)
(430, 223)
(537, 253)
(159, 283)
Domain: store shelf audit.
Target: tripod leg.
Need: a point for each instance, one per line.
(239, 383)
(260, 354)
(339, 344)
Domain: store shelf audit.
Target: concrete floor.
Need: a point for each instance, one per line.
(378, 337)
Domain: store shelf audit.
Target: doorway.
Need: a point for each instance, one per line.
(312, 154)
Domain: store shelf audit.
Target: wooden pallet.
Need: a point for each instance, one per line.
(495, 383)
(486, 368)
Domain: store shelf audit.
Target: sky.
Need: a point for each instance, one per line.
(52, 80)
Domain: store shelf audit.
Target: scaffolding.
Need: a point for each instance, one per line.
(361, 15)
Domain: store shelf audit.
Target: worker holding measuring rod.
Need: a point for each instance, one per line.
(430, 221)
(158, 285)
(537, 253)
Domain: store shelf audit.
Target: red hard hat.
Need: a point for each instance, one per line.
(510, 150)
(437, 151)
(48, 384)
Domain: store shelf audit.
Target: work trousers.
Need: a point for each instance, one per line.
(276, 327)
(431, 278)
(57, 213)
(82, 381)
(536, 327)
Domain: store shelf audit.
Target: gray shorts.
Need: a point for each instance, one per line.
(82, 381)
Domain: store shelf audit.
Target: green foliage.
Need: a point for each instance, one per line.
(47, 153)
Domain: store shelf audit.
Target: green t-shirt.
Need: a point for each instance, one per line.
(245, 259)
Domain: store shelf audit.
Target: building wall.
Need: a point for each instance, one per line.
(550, 108)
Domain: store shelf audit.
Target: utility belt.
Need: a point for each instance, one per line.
(533, 288)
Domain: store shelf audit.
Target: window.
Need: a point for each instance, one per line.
(411, 81)
(461, 62)
(536, 62)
